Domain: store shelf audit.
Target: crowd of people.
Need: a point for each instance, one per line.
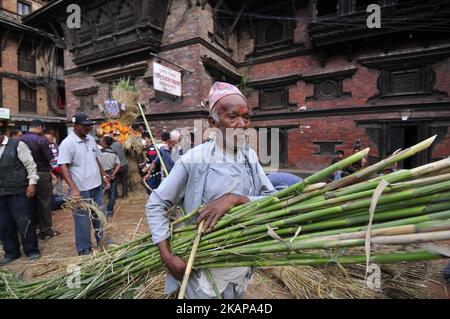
(356, 166)
(228, 174)
(33, 168)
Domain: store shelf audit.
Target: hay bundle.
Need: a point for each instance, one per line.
(400, 281)
(331, 282)
(78, 203)
(127, 95)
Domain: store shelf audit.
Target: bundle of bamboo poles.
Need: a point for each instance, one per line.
(307, 224)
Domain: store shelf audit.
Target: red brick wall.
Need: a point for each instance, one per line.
(186, 23)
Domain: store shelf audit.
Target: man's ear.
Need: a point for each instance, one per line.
(212, 122)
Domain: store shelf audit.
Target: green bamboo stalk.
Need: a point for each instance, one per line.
(327, 243)
(403, 216)
(324, 173)
(420, 182)
(389, 210)
(378, 259)
(391, 160)
(443, 215)
(393, 177)
(364, 203)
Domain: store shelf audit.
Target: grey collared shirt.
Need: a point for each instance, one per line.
(199, 177)
(24, 155)
(109, 159)
(81, 156)
(118, 148)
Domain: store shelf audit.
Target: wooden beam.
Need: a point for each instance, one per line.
(19, 43)
(4, 40)
(38, 51)
(53, 28)
(51, 53)
(238, 16)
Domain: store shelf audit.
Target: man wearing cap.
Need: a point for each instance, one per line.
(42, 155)
(218, 174)
(18, 179)
(167, 151)
(83, 172)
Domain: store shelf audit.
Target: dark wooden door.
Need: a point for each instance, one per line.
(402, 136)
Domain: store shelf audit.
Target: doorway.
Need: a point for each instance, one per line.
(401, 136)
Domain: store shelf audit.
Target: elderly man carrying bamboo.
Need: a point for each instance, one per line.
(219, 175)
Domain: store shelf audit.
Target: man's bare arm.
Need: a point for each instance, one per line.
(65, 171)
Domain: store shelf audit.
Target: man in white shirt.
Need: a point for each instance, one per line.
(83, 172)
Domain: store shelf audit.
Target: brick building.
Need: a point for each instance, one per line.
(312, 68)
(31, 70)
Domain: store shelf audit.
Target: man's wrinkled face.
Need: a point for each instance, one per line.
(234, 119)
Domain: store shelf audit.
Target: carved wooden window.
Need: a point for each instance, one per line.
(361, 5)
(273, 98)
(273, 33)
(104, 23)
(221, 26)
(87, 102)
(85, 33)
(27, 98)
(276, 32)
(153, 11)
(326, 148)
(27, 56)
(126, 16)
(86, 98)
(159, 10)
(327, 8)
(163, 96)
(328, 89)
(406, 81)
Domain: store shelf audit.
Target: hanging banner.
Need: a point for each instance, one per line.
(4, 114)
(166, 79)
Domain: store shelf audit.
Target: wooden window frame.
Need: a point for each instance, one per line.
(424, 80)
(24, 3)
(285, 98)
(322, 143)
(26, 61)
(27, 106)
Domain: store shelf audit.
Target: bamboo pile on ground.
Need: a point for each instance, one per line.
(303, 225)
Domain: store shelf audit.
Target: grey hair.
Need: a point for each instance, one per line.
(214, 114)
(175, 134)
